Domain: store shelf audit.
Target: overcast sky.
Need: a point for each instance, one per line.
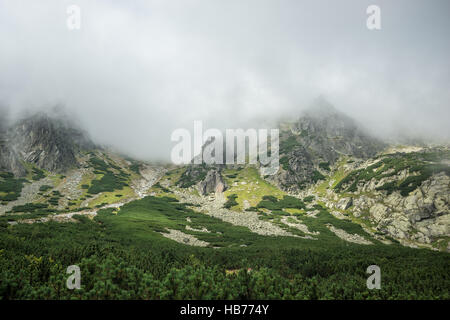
(136, 70)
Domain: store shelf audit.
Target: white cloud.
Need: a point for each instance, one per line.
(138, 70)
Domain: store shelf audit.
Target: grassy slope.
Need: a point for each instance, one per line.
(105, 197)
(334, 268)
(330, 261)
(254, 188)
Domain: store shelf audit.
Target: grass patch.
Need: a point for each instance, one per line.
(10, 187)
(248, 185)
(231, 202)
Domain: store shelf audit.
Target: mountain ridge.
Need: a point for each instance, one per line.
(48, 142)
(320, 152)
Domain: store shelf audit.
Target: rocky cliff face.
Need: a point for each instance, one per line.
(321, 135)
(213, 182)
(328, 133)
(49, 143)
(9, 160)
(422, 216)
(206, 178)
(308, 147)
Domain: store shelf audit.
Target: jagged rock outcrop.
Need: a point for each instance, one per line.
(47, 142)
(300, 167)
(330, 133)
(345, 203)
(9, 160)
(213, 182)
(421, 216)
(321, 135)
(206, 177)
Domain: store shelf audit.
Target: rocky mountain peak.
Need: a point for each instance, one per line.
(324, 120)
(47, 141)
(321, 108)
(322, 134)
(331, 133)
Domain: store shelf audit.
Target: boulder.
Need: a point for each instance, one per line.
(345, 203)
(213, 182)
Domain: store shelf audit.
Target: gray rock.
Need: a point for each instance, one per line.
(322, 134)
(48, 142)
(213, 182)
(345, 203)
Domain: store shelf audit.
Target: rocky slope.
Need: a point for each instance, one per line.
(326, 161)
(206, 178)
(316, 140)
(403, 195)
(57, 168)
(49, 143)
(9, 160)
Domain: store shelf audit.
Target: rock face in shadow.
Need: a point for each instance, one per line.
(9, 160)
(321, 135)
(330, 133)
(49, 143)
(206, 177)
(213, 182)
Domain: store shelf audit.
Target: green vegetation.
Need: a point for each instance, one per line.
(231, 202)
(123, 253)
(136, 167)
(123, 256)
(45, 188)
(192, 175)
(30, 207)
(54, 201)
(160, 187)
(248, 185)
(417, 163)
(38, 174)
(109, 180)
(317, 176)
(108, 183)
(272, 203)
(54, 198)
(325, 166)
(10, 187)
(287, 145)
(112, 197)
(284, 161)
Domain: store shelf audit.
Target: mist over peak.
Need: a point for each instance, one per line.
(134, 73)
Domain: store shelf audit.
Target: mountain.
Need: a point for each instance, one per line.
(9, 160)
(50, 165)
(340, 202)
(326, 157)
(49, 143)
(318, 139)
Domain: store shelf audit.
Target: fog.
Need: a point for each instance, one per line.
(137, 70)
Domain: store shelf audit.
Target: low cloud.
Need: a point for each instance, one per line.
(136, 71)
